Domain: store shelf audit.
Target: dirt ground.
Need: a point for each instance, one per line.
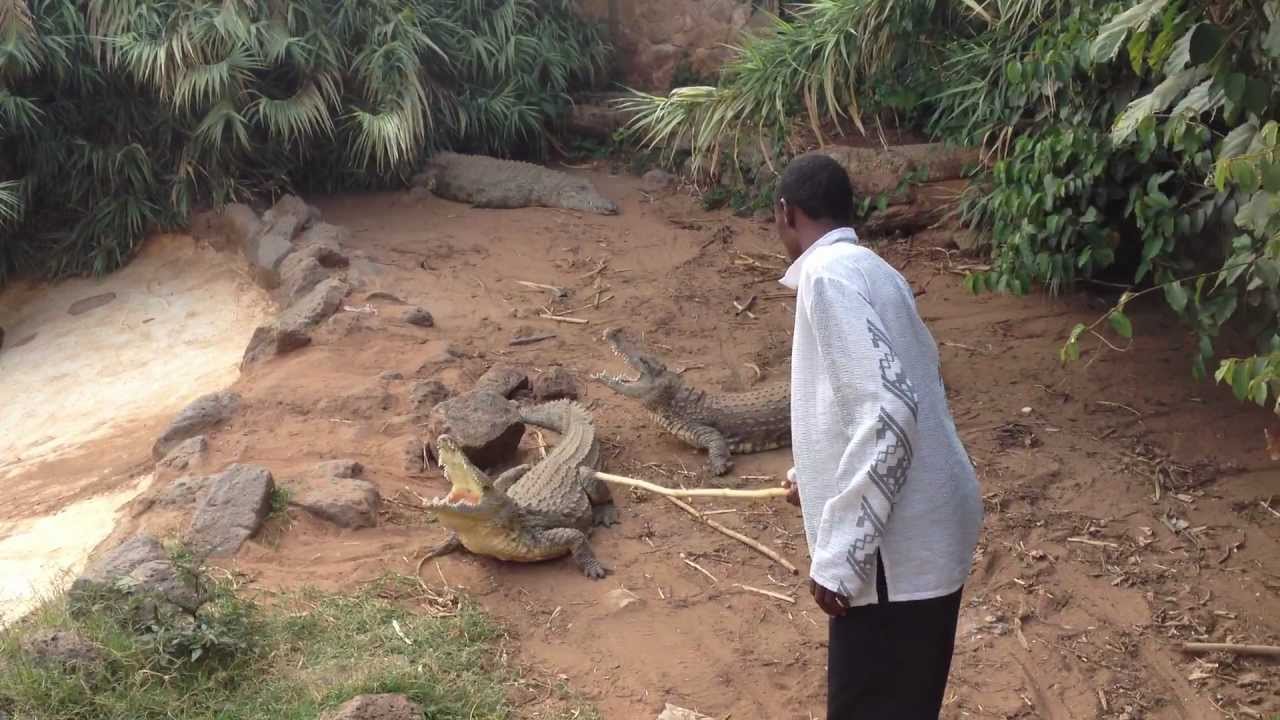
(1127, 507)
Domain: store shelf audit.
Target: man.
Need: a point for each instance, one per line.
(890, 501)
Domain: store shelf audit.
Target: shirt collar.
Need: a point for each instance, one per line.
(792, 277)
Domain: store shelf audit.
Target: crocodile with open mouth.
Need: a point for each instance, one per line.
(529, 514)
(723, 423)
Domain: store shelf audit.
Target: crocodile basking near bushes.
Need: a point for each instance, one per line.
(487, 182)
(724, 423)
(529, 514)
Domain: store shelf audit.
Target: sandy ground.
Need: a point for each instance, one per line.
(89, 370)
(1084, 583)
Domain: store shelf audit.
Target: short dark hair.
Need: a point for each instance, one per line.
(818, 185)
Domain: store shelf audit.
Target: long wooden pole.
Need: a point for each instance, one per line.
(754, 545)
(696, 492)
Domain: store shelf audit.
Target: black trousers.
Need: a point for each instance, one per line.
(890, 660)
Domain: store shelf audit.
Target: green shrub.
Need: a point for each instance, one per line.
(119, 116)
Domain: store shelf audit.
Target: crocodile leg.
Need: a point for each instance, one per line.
(603, 510)
(717, 447)
(504, 481)
(575, 541)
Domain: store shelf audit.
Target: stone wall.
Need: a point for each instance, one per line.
(655, 38)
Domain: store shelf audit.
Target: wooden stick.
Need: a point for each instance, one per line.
(769, 593)
(1233, 648)
(699, 568)
(530, 339)
(1087, 541)
(735, 535)
(539, 286)
(563, 319)
(699, 492)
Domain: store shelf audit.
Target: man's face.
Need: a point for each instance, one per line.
(784, 219)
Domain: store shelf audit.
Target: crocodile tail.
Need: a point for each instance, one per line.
(556, 416)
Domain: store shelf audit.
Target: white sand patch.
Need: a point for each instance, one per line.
(176, 329)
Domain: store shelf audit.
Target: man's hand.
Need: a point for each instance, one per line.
(793, 489)
(832, 603)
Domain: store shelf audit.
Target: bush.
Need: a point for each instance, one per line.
(1134, 142)
(119, 116)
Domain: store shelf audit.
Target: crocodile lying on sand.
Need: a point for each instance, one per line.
(488, 182)
(744, 422)
(529, 514)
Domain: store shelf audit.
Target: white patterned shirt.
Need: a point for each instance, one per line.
(878, 461)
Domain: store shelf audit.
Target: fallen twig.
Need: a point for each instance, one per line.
(745, 307)
(1087, 541)
(1232, 648)
(697, 492)
(530, 339)
(1267, 506)
(769, 593)
(699, 568)
(557, 291)
(754, 545)
(563, 319)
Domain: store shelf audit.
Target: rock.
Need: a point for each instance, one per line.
(426, 394)
(621, 598)
(231, 510)
(239, 223)
(202, 414)
(314, 307)
(486, 425)
(503, 380)
(325, 243)
(103, 572)
(376, 707)
(555, 384)
(420, 317)
(414, 460)
(391, 375)
(185, 455)
(160, 579)
(337, 496)
(181, 493)
(298, 277)
(269, 341)
(61, 650)
(292, 209)
(266, 250)
(656, 181)
(84, 305)
(671, 712)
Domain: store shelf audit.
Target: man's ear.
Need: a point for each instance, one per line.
(788, 214)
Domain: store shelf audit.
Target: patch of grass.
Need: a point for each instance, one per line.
(290, 660)
(279, 502)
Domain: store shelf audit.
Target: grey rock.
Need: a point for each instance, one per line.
(391, 375)
(185, 455)
(671, 712)
(298, 277)
(265, 250)
(340, 469)
(231, 510)
(239, 223)
(292, 209)
(485, 424)
(324, 242)
(203, 413)
(61, 650)
(270, 340)
(377, 707)
(555, 384)
(181, 493)
(314, 307)
(103, 572)
(503, 380)
(342, 500)
(419, 316)
(657, 180)
(160, 579)
(426, 394)
(414, 460)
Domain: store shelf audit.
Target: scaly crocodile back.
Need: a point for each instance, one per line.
(488, 182)
(552, 486)
(751, 421)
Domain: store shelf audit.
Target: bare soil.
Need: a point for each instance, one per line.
(1127, 506)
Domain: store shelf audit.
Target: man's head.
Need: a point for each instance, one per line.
(814, 198)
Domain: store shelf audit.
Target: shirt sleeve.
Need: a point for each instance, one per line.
(878, 407)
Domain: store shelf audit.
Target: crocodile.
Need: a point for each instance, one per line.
(529, 513)
(744, 422)
(487, 182)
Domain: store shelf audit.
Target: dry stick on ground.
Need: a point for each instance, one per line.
(770, 593)
(561, 318)
(699, 568)
(557, 291)
(530, 339)
(735, 535)
(1232, 648)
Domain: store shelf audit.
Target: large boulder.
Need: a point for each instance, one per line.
(298, 277)
(271, 340)
(485, 424)
(103, 572)
(203, 413)
(267, 248)
(503, 380)
(335, 493)
(377, 707)
(426, 394)
(232, 508)
(325, 243)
